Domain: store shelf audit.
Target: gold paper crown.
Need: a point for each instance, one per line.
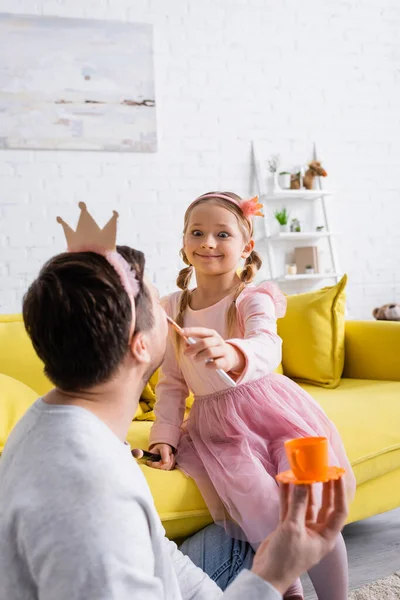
(88, 234)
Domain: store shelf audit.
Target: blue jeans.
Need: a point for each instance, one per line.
(218, 555)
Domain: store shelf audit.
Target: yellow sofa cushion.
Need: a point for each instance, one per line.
(15, 399)
(313, 336)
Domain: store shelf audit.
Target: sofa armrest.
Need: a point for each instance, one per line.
(372, 350)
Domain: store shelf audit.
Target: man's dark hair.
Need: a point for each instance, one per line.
(78, 316)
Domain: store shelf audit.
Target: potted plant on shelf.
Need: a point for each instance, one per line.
(309, 270)
(295, 226)
(282, 216)
(284, 180)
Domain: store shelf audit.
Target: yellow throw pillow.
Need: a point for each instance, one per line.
(145, 411)
(149, 393)
(148, 400)
(15, 399)
(313, 336)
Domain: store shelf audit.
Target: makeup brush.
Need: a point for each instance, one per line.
(139, 453)
(191, 341)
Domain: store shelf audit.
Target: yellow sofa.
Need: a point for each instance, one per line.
(365, 407)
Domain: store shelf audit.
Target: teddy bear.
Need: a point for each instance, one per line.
(387, 312)
(314, 169)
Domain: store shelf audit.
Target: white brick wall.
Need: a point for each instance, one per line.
(229, 71)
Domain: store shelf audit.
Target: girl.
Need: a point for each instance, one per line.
(233, 442)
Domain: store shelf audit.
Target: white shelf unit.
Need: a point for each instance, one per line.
(302, 236)
(304, 276)
(275, 199)
(295, 195)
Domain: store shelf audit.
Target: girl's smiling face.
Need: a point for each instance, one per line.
(214, 242)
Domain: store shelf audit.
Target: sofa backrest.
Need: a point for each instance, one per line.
(371, 352)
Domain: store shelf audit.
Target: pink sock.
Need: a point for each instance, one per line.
(330, 577)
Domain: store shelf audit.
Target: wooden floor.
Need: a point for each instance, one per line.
(373, 547)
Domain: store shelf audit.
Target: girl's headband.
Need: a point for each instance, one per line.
(250, 208)
(88, 237)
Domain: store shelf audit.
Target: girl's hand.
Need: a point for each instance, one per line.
(167, 462)
(210, 346)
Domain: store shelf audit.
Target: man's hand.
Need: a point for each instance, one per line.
(167, 462)
(302, 538)
(212, 347)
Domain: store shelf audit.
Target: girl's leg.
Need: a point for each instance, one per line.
(330, 577)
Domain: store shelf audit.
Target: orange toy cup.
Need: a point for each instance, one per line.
(308, 458)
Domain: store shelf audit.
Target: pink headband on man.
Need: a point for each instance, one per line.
(250, 208)
(88, 237)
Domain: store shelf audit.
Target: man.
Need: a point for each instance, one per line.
(77, 520)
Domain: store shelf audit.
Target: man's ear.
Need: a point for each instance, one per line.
(248, 249)
(140, 348)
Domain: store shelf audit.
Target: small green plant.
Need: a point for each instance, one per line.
(284, 173)
(282, 216)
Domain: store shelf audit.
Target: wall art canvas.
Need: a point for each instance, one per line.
(76, 84)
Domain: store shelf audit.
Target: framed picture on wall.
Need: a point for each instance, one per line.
(76, 84)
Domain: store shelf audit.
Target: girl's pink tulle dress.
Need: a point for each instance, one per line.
(232, 442)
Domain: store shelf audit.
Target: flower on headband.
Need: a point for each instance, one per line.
(251, 208)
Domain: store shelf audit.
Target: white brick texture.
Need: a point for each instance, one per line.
(283, 72)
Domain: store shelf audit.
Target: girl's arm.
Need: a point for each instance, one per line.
(258, 309)
(171, 394)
